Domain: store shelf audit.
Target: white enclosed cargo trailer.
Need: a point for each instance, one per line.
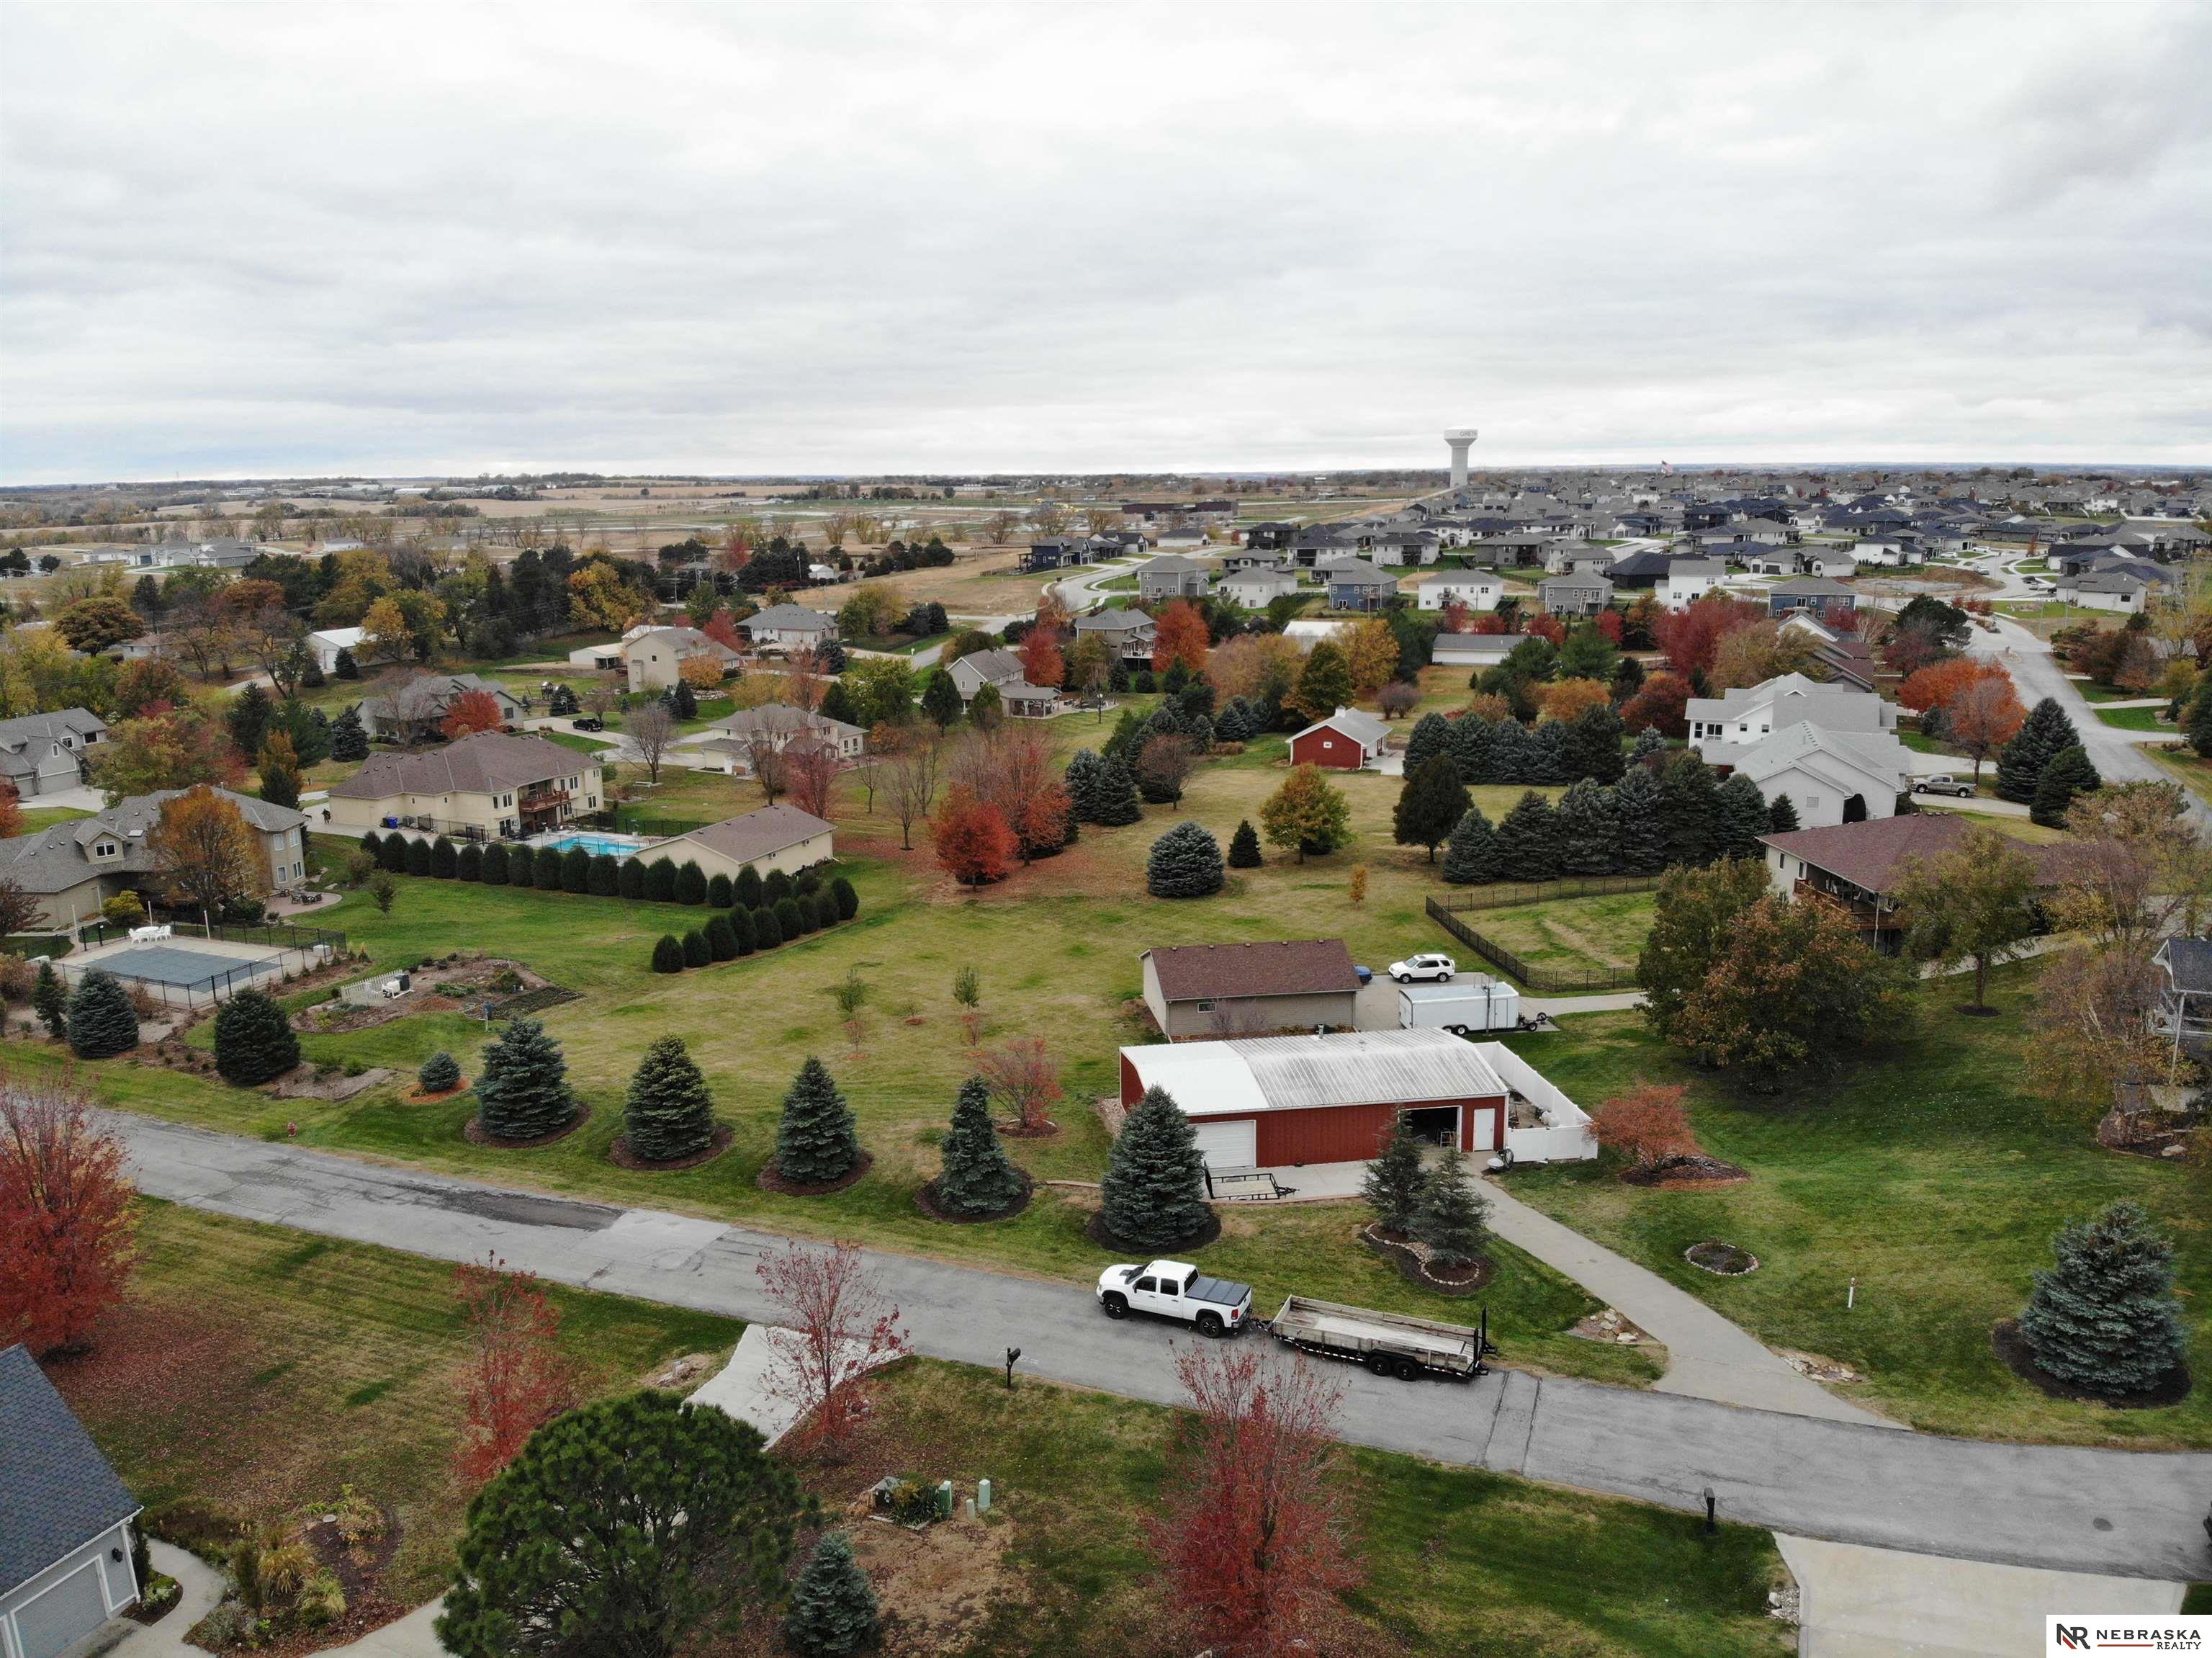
(1479, 1004)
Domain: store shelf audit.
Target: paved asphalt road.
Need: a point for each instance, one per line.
(2129, 1513)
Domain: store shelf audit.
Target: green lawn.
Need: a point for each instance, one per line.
(258, 1371)
(1928, 1173)
(2092, 692)
(1455, 1561)
(2137, 719)
(1571, 935)
(581, 742)
(36, 818)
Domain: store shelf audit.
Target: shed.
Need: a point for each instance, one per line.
(1346, 741)
(65, 1520)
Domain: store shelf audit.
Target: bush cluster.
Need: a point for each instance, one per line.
(741, 931)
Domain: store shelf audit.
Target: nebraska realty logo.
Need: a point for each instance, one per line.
(2134, 1633)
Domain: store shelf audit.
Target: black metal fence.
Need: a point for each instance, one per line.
(1501, 895)
(1549, 980)
(640, 823)
(276, 935)
(295, 949)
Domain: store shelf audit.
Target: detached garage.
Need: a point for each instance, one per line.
(1273, 1102)
(65, 1521)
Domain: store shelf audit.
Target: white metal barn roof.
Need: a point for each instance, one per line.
(1301, 1073)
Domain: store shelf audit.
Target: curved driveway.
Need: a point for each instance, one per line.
(2131, 1514)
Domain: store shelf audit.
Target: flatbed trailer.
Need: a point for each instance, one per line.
(1387, 1344)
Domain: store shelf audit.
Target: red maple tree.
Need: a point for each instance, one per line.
(1491, 621)
(1043, 664)
(470, 712)
(1547, 626)
(1456, 616)
(972, 837)
(1691, 635)
(1014, 769)
(1180, 636)
(835, 1324)
(1254, 1542)
(810, 775)
(67, 1227)
(722, 628)
(518, 1379)
(1662, 703)
(1613, 624)
(1647, 1126)
(1024, 1076)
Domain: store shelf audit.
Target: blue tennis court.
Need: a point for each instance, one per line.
(165, 964)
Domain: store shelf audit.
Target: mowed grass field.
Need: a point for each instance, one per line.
(259, 1370)
(1929, 1174)
(1575, 935)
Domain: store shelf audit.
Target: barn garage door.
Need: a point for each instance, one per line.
(1228, 1145)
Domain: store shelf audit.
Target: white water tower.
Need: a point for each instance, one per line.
(1460, 438)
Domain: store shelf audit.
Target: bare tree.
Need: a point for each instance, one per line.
(837, 1325)
(910, 781)
(809, 768)
(200, 633)
(764, 754)
(650, 730)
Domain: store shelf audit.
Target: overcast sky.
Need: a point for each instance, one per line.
(322, 238)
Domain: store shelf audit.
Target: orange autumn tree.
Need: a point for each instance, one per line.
(11, 811)
(517, 1379)
(971, 838)
(67, 1227)
(1647, 1126)
(1940, 684)
(1180, 636)
(206, 853)
(1043, 664)
(470, 712)
(1983, 718)
(1565, 698)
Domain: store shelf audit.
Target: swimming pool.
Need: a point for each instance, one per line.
(616, 846)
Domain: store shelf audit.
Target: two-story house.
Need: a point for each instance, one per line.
(489, 786)
(72, 868)
(1172, 576)
(44, 753)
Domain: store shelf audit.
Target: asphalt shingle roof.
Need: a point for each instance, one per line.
(1197, 972)
(56, 1491)
(476, 764)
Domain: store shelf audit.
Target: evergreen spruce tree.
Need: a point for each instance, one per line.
(789, 921)
(1184, 862)
(1244, 846)
(1432, 735)
(815, 1141)
(1474, 748)
(668, 1113)
(2105, 1317)
(767, 931)
(1153, 1195)
(720, 893)
(2042, 737)
(440, 1073)
(253, 1039)
(660, 881)
(1431, 802)
(1590, 834)
(418, 857)
(603, 879)
(833, 1606)
(740, 923)
(1740, 816)
(1548, 758)
(1513, 757)
(576, 871)
(1471, 857)
(344, 666)
(1528, 840)
(100, 1021)
(1115, 794)
(2196, 720)
(722, 942)
(445, 860)
(496, 864)
(1687, 810)
(524, 1089)
(1395, 1180)
(2068, 773)
(697, 953)
(1589, 746)
(749, 887)
(847, 897)
(940, 697)
(978, 1178)
(1781, 815)
(550, 872)
(51, 1001)
(1452, 1217)
(1642, 830)
(349, 741)
(1648, 748)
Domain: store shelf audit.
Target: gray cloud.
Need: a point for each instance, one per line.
(283, 239)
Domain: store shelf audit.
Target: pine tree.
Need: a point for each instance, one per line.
(1687, 811)
(749, 887)
(741, 929)
(1512, 756)
(1740, 817)
(550, 870)
(1589, 746)
(668, 1113)
(691, 883)
(101, 1020)
(815, 1141)
(1396, 1180)
(978, 1178)
(720, 893)
(2196, 723)
(440, 1073)
(524, 1089)
(1244, 846)
(418, 857)
(789, 921)
(1452, 1217)
(2042, 737)
(1184, 862)
(1590, 834)
(344, 666)
(1432, 735)
(630, 879)
(349, 741)
(833, 1606)
(660, 881)
(1528, 840)
(51, 1001)
(1642, 829)
(847, 897)
(445, 861)
(2068, 773)
(2106, 1317)
(253, 1039)
(604, 880)
(767, 931)
(1474, 748)
(1649, 748)
(1431, 802)
(1116, 794)
(1781, 815)
(1153, 1195)
(940, 697)
(576, 871)
(1471, 857)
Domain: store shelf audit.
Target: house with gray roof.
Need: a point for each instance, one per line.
(1130, 632)
(736, 738)
(65, 1521)
(43, 754)
(790, 627)
(779, 837)
(1172, 576)
(74, 867)
(1355, 584)
(411, 711)
(1582, 594)
(493, 785)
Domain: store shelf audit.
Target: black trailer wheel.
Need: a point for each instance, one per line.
(1117, 1307)
(1408, 1370)
(1378, 1364)
(1209, 1324)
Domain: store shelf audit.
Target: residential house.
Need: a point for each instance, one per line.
(65, 1517)
(779, 837)
(1257, 588)
(656, 659)
(1830, 777)
(1859, 868)
(1052, 552)
(72, 868)
(489, 786)
(1130, 632)
(1316, 544)
(1848, 658)
(1404, 546)
(1477, 590)
(1688, 580)
(1355, 584)
(1251, 990)
(1202, 515)
(1817, 594)
(1722, 726)
(327, 644)
(1575, 595)
(790, 627)
(1349, 739)
(45, 753)
(1634, 570)
(2115, 590)
(1002, 670)
(1172, 576)
(412, 712)
(738, 736)
(2183, 1012)
(1271, 537)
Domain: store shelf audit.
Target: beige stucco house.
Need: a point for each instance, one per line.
(656, 659)
(774, 838)
(491, 786)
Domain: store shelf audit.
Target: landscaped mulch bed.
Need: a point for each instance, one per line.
(769, 1180)
(620, 1153)
(474, 1129)
(1096, 1230)
(924, 1199)
(2011, 1347)
(1722, 1260)
(1015, 1130)
(1412, 1261)
(1694, 1170)
(329, 1083)
(415, 1096)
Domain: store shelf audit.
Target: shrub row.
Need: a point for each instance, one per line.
(598, 876)
(741, 931)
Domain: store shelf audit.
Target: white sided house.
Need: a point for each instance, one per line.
(1688, 580)
(1830, 777)
(1278, 1102)
(1478, 589)
(1738, 719)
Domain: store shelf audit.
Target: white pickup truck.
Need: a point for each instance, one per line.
(1176, 1289)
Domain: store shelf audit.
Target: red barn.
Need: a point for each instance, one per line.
(1346, 741)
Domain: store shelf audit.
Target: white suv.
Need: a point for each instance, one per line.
(1438, 967)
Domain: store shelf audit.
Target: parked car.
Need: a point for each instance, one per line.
(1176, 1289)
(1434, 966)
(588, 723)
(1943, 784)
